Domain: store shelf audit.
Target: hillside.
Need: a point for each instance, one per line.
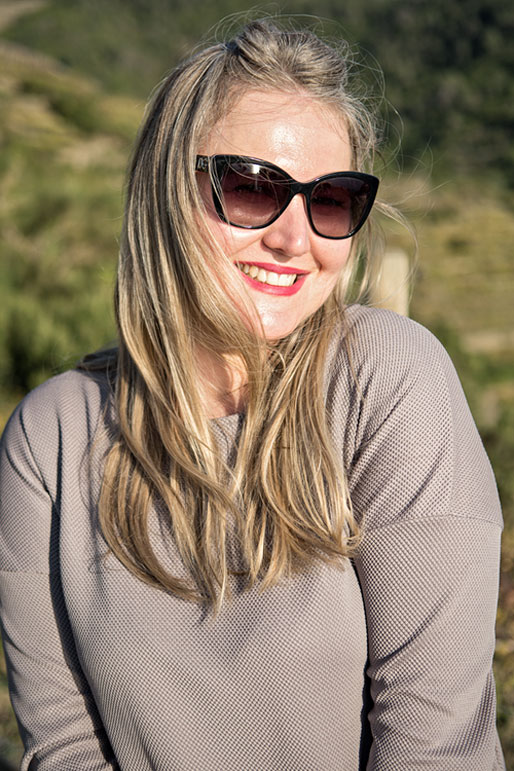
(448, 67)
(64, 149)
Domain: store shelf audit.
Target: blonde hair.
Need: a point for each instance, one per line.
(285, 496)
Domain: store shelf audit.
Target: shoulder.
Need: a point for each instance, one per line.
(48, 470)
(401, 418)
(68, 406)
(385, 343)
(378, 356)
(67, 394)
(399, 363)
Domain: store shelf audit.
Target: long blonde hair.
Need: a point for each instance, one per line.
(284, 496)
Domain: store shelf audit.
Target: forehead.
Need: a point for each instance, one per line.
(302, 135)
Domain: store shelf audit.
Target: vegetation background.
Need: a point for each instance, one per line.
(74, 77)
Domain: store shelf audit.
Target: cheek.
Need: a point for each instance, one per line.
(335, 258)
(332, 269)
(217, 229)
(235, 242)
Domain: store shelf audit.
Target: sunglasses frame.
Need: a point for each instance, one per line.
(212, 164)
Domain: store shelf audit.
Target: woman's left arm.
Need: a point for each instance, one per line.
(430, 591)
(428, 565)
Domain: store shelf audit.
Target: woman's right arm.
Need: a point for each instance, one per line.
(58, 720)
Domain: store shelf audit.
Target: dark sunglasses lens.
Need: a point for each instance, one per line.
(338, 205)
(252, 195)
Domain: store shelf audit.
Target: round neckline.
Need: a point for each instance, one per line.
(227, 418)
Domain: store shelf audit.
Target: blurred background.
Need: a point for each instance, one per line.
(74, 79)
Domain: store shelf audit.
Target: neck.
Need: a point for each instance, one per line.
(223, 383)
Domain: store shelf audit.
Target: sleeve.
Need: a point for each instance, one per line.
(57, 717)
(428, 566)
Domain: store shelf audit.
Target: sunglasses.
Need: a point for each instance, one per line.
(250, 193)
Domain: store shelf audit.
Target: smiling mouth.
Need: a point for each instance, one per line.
(267, 276)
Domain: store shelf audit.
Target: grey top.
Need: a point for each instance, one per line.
(383, 666)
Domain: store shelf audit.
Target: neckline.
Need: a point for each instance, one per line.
(233, 416)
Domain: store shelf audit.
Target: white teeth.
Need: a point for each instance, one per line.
(268, 277)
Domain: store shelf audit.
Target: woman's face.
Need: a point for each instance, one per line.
(306, 140)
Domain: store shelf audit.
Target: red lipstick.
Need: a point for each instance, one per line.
(284, 291)
(276, 268)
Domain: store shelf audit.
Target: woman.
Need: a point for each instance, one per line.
(263, 533)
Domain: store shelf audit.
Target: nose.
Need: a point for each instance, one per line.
(290, 234)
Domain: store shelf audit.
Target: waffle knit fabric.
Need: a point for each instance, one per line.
(383, 666)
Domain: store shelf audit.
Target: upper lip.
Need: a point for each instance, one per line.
(274, 268)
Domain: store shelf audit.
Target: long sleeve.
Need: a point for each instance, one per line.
(56, 713)
(423, 490)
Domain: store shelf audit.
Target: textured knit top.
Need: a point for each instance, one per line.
(384, 666)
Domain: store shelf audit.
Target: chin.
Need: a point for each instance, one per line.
(275, 331)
